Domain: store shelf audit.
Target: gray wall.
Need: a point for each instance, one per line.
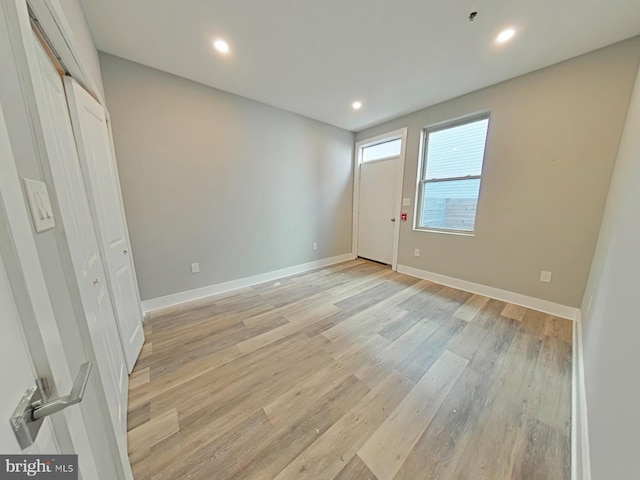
(611, 319)
(210, 177)
(552, 143)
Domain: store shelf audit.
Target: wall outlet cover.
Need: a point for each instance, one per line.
(545, 276)
(195, 268)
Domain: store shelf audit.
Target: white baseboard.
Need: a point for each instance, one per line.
(579, 437)
(545, 306)
(174, 299)
(575, 409)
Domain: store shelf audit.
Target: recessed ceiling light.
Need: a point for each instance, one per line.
(357, 105)
(505, 35)
(221, 46)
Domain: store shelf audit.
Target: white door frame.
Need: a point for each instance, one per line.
(402, 135)
(51, 18)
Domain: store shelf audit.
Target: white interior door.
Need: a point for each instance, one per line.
(83, 243)
(17, 371)
(18, 378)
(377, 201)
(94, 147)
(32, 347)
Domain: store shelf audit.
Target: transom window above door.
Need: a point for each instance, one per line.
(382, 150)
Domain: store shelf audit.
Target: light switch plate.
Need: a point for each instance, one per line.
(40, 205)
(406, 202)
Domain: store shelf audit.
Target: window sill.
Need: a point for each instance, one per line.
(461, 233)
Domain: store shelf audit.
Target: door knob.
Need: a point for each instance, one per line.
(393, 219)
(96, 281)
(125, 252)
(29, 415)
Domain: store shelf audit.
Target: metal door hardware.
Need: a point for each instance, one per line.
(29, 415)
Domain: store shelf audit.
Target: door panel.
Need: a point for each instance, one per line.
(376, 209)
(94, 146)
(17, 379)
(83, 243)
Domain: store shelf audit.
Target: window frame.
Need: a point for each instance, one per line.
(422, 170)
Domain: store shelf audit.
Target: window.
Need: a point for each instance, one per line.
(380, 151)
(450, 175)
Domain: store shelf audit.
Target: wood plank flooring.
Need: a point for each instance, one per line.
(352, 372)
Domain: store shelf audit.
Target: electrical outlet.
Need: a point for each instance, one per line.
(545, 276)
(416, 252)
(315, 246)
(195, 267)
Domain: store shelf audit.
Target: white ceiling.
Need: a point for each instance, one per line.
(315, 57)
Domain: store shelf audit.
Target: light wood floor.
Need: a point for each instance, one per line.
(352, 372)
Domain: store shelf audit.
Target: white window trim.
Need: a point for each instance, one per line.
(401, 134)
(424, 135)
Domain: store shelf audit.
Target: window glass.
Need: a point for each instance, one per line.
(451, 175)
(450, 205)
(388, 149)
(456, 151)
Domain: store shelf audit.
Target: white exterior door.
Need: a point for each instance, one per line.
(98, 165)
(83, 244)
(378, 180)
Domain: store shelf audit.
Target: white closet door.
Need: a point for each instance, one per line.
(101, 178)
(83, 244)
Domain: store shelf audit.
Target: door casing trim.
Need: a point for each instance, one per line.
(395, 134)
